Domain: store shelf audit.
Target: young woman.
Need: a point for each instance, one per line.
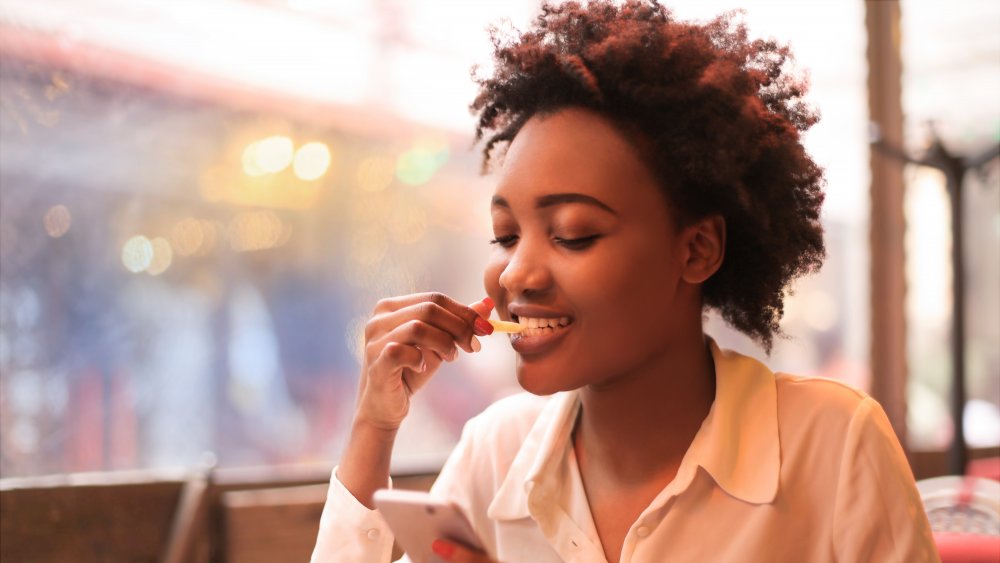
(653, 169)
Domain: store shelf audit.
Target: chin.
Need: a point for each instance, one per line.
(540, 382)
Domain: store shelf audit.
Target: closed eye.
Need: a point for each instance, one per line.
(505, 241)
(577, 243)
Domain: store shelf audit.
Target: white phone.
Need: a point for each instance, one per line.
(417, 519)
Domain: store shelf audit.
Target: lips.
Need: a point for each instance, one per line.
(544, 329)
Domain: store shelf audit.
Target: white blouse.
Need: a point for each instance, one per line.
(784, 468)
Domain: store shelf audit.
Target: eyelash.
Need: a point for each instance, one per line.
(581, 243)
(504, 241)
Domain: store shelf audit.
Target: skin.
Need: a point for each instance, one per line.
(406, 340)
(635, 348)
(629, 278)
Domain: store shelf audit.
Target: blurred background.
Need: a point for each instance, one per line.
(201, 201)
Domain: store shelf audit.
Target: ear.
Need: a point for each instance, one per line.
(704, 248)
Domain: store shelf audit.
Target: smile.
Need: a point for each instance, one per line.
(541, 334)
(535, 326)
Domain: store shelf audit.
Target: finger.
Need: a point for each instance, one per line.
(458, 553)
(415, 380)
(425, 336)
(393, 358)
(460, 326)
(391, 304)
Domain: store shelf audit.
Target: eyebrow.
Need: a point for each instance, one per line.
(550, 200)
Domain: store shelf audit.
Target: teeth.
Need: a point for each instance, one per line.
(536, 325)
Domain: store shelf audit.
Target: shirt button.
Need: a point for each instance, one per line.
(373, 534)
(642, 531)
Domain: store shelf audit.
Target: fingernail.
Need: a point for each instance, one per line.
(443, 549)
(423, 366)
(476, 346)
(482, 327)
(488, 302)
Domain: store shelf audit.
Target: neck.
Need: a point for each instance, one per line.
(645, 420)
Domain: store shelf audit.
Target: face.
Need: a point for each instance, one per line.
(585, 247)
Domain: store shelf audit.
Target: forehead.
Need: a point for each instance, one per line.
(575, 150)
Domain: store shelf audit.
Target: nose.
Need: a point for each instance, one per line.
(527, 271)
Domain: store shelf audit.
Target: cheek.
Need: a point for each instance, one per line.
(629, 302)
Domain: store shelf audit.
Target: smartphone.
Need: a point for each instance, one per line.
(417, 519)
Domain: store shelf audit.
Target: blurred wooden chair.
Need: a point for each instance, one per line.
(89, 517)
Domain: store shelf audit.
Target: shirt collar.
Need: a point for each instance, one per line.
(737, 444)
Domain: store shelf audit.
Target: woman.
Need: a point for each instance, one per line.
(653, 168)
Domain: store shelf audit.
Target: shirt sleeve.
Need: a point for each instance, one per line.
(878, 514)
(350, 531)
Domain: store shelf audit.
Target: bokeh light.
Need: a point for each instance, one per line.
(312, 160)
(370, 207)
(256, 230)
(213, 230)
(57, 221)
(163, 256)
(268, 155)
(137, 254)
(249, 159)
(187, 236)
(417, 165)
(375, 173)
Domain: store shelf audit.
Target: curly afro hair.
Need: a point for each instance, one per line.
(717, 117)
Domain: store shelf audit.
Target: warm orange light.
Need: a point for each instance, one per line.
(187, 236)
(312, 160)
(375, 173)
(163, 256)
(255, 230)
(267, 156)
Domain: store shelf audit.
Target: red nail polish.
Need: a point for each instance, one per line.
(482, 327)
(488, 302)
(444, 549)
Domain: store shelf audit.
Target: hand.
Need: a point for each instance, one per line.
(406, 340)
(458, 553)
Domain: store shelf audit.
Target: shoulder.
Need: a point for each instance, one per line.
(820, 385)
(811, 405)
(829, 396)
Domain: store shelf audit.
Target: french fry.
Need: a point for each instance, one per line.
(504, 326)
